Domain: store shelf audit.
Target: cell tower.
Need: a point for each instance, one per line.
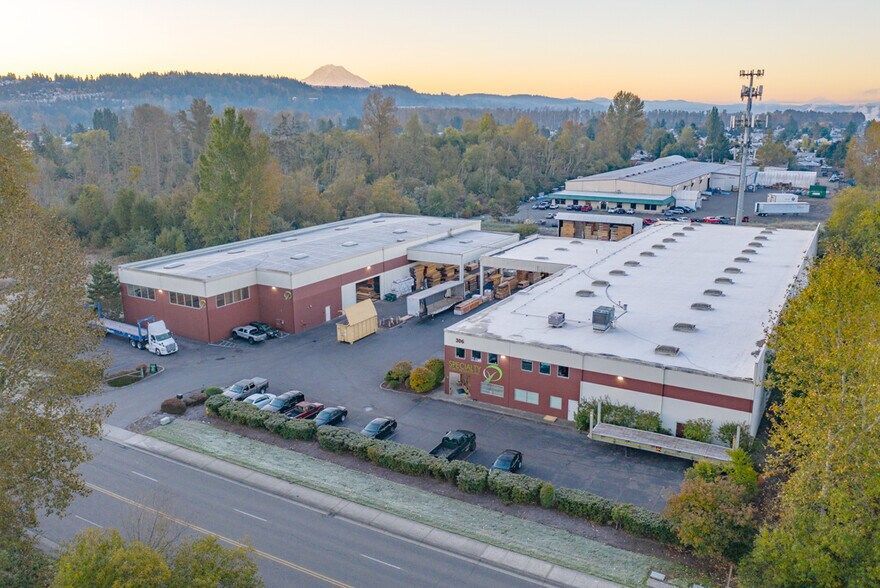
(748, 93)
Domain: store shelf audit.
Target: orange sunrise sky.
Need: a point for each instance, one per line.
(661, 50)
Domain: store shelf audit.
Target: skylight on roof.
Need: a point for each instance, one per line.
(235, 251)
(173, 265)
(289, 239)
(349, 243)
(399, 231)
(299, 256)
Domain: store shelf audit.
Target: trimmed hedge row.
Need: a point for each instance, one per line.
(468, 477)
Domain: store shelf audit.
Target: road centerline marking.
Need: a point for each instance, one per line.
(85, 520)
(384, 563)
(144, 476)
(253, 516)
(233, 542)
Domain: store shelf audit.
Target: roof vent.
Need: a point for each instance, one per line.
(400, 239)
(617, 272)
(600, 283)
(755, 244)
(684, 327)
(585, 293)
(603, 318)
(341, 229)
(235, 251)
(556, 319)
(288, 239)
(658, 246)
(541, 257)
(723, 280)
(749, 251)
(466, 241)
(299, 256)
(434, 223)
(669, 350)
(173, 265)
(732, 270)
(741, 259)
(399, 231)
(761, 238)
(701, 306)
(647, 254)
(561, 249)
(576, 242)
(688, 228)
(678, 234)
(669, 240)
(631, 263)
(767, 232)
(349, 243)
(713, 292)
(379, 220)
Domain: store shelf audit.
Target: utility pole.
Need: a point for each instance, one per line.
(748, 92)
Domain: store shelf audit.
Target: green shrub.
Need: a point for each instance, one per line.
(703, 470)
(243, 413)
(583, 504)
(547, 496)
(615, 413)
(398, 374)
(299, 429)
(727, 434)
(214, 402)
(195, 398)
(421, 380)
(275, 422)
(404, 459)
(173, 406)
(698, 430)
(334, 438)
(443, 469)
(515, 487)
(642, 522)
(212, 391)
(472, 477)
(437, 367)
(741, 470)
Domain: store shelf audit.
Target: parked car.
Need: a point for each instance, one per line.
(248, 333)
(284, 403)
(551, 215)
(305, 410)
(455, 444)
(535, 207)
(544, 205)
(570, 207)
(259, 400)
(268, 330)
(648, 221)
(675, 210)
(686, 209)
(711, 220)
(553, 206)
(334, 415)
(244, 388)
(617, 211)
(510, 460)
(586, 207)
(380, 428)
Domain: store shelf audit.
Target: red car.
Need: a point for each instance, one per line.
(648, 221)
(306, 410)
(586, 208)
(712, 220)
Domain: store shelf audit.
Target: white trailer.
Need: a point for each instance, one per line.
(775, 208)
(782, 197)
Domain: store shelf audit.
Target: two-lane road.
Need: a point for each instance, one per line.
(294, 544)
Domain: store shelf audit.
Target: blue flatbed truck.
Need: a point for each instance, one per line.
(147, 333)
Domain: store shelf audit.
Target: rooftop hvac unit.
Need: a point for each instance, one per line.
(670, 350)
(603, 317)
(713, 292)
(723, 280)
(684, 327)
(556, 319)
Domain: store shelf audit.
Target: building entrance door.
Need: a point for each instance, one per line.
(327, 313)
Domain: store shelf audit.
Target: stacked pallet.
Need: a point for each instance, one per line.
(471, 282)
(468, 305)
(566, 228)
(366, 293)
(503, 290)
(472, 267)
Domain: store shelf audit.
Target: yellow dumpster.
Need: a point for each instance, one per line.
(359, 320)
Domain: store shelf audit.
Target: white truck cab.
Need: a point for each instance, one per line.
(159, 339)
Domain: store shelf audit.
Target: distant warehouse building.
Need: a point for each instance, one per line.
(671, 319)
(298, 279)
(648, 186)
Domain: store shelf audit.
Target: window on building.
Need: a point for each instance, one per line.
(632, 205)
(526, 365)
(184, 300)
(544, 368)
(496, 390)
(493, 358)
(459, 353)
(562, 371)
(650, 207)
(141, 292)
(476, 355)
(556, 402)
(232, 297)
(526, 396)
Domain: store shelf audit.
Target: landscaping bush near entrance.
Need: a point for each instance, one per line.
(422, 380)
(437, 367)
(173, 406)
(622, 415)
(214, 402)
(698, 430)
(398, 374)
(472, 477)
(212, 391)
(515, 487)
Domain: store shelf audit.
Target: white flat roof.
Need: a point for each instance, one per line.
(468, 245)
(303, 249)
(658, 293)
(665, 171)
(557, 250)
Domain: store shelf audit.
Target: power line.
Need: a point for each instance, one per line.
(748, 93)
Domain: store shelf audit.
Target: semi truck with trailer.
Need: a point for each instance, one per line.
(778, 208)
(147, 333)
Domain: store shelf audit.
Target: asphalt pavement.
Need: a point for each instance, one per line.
(349, 375)
(294, 544)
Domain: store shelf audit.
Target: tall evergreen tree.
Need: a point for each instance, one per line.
(717, 147)
(103, 289)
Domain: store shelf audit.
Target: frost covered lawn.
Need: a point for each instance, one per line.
(527, 537)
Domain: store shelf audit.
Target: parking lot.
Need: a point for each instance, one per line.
(349, 375)
(719, 205)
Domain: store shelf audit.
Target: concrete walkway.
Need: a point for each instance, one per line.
(442, 540)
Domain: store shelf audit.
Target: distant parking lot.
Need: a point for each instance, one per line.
(349, 375)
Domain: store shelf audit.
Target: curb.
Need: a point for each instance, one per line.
(465, 547)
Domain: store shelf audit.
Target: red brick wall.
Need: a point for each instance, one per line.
(222, 320)
(191, 323)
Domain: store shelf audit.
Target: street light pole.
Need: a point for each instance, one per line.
(748, 92)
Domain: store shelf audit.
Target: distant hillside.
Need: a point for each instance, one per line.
(66, 100)
(335, 76)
